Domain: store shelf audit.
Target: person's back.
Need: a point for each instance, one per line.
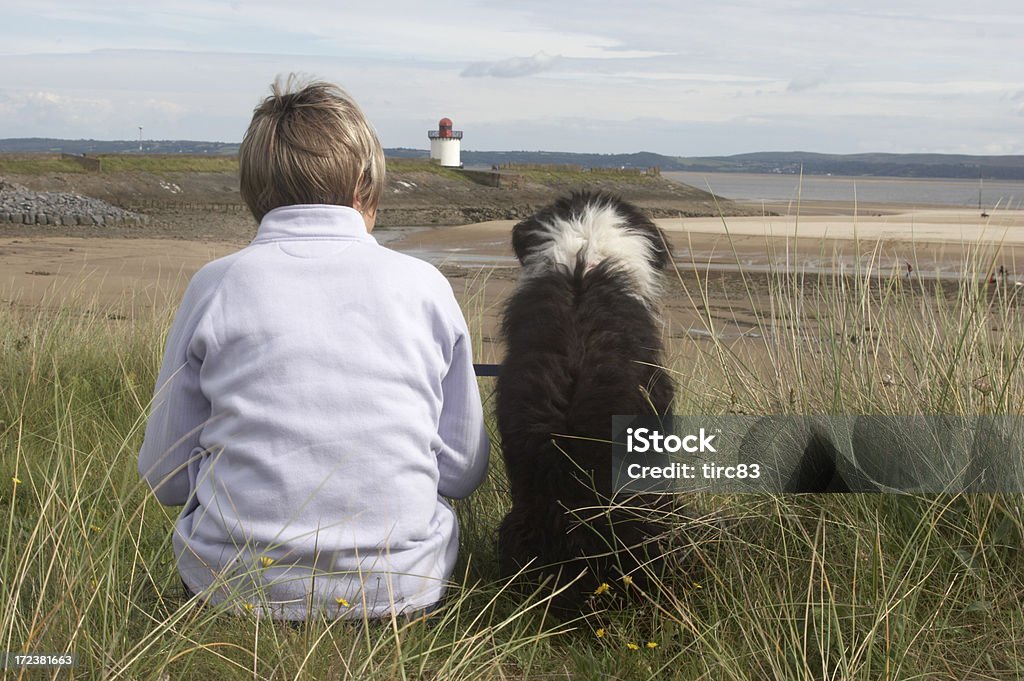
(316, 398)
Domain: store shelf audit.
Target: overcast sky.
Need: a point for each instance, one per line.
(678, 77)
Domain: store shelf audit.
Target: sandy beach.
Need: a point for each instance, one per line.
(125, 274)
(936, 240)
(122, 278)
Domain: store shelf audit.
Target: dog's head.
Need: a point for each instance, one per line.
(587, 229)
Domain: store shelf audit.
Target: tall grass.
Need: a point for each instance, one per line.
(161, 164)
(787, 587)
(36, 164)
(859, 338)
(422, 165)
(158, 164)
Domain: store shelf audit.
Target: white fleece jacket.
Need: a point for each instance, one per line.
(316, 400)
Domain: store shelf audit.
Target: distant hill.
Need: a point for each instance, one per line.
(791, 163)
(894, 165)
(42, 145)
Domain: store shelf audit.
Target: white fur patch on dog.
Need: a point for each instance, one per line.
(600, 233)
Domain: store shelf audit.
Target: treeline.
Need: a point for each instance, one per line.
(47, 145)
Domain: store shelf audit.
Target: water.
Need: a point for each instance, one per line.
(387, 235)
(459, 257)
(903, 192)
(895, 190)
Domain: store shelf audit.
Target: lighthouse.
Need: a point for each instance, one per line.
(446, 144)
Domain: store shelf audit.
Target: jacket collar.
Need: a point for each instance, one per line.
(312, 221)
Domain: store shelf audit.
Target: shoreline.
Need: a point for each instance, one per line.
(732, 262)
(733, 266)
(936, 241)
(930, 239)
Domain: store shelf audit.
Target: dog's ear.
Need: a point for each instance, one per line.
(639, 222)
(660, 248)
(527, 236)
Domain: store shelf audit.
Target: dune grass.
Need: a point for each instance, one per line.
(36, 164)
(549, 175)
(786, 587)
(565, 178)
(157, 164)
(161, 164)
(422, 165)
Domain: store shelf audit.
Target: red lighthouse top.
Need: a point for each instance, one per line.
(444, 130)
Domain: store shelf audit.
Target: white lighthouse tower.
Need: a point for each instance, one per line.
(446, 144)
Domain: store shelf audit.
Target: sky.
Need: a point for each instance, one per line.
(677, 77)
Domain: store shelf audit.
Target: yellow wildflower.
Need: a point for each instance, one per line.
(266, 561)
(627, 580)
(601, 589)
(697, 586)
(94, 528)
(600, 632)
(632, 646)
(16, 481)
(652, 645)
(248, 607)
(342, 603)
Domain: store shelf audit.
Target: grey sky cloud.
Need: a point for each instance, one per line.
(702, 77)
(804, 83)
(516, 67)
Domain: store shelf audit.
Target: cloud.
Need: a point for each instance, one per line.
(517, 67)
(45, 113)
(805, 83)
(195, 69)
(809, 81)
(52, 109)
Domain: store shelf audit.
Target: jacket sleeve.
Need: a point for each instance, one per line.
(465, 444)
(179, 409)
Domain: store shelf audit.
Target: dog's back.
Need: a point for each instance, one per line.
(583, 343)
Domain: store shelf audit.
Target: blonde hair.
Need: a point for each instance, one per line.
(309, 143)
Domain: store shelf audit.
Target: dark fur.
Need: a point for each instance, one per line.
(580, 348)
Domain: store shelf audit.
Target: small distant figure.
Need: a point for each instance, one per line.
(998, 275)
(909, 273)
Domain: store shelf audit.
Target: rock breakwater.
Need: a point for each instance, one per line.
(22, 206)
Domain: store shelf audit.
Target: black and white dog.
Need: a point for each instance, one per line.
(583, 343)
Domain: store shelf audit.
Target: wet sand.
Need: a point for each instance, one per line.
(127, 275)
(124, 277)
(934, 238)
(721, 284)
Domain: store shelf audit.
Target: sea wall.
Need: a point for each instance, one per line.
(22, 206)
